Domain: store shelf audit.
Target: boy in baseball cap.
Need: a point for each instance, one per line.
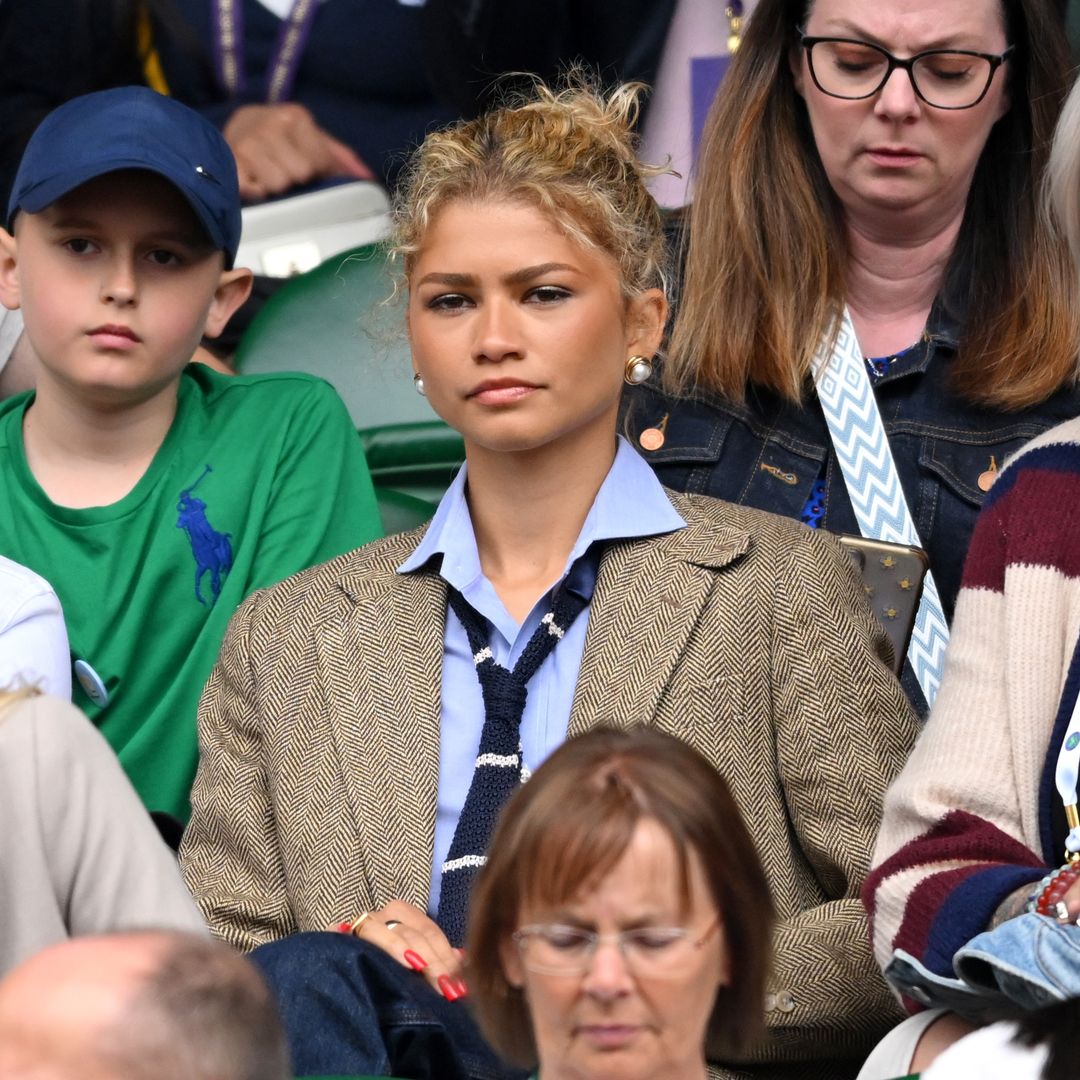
(154, 494)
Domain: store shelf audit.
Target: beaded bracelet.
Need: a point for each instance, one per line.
(1049, 892)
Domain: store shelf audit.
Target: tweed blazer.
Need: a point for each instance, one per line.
(744, 634)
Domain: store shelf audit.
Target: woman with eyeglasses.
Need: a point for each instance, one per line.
(623, 919)
(880, 159)
(367, 720)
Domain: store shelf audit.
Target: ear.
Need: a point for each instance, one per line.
(513, 971)
(795, 63)
(233, 288)
(646, 318)
(10, 294)
(724, 974)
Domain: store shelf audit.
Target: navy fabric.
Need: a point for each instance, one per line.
(769, 454)
(349, 1008)
(504, 705)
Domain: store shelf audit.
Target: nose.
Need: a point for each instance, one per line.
(497, 333)
(608, 977)
(897, 99)
(120, 284)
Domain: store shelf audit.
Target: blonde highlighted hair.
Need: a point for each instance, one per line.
(1063, 175)
(766, 262)
(569, 152)
(11, 697)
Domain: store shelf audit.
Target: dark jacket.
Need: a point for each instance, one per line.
(362, 74)
(472, 42)
(768, 453)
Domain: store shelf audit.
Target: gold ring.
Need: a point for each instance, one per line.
(358, 923)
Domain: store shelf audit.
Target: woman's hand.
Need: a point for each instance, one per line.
(1071, 900)
(1016, 904)
(415, 941)
(278, 147)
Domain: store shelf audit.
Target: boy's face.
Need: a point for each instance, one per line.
(117, 282)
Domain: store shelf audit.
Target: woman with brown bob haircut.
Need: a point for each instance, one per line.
(885, 157)
(580, 819)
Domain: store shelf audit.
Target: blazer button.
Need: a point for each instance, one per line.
(770, 1002)
(784, 1001)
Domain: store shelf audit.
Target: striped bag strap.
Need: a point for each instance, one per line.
(873, 484)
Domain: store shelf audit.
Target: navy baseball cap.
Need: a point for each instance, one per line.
(132, 127)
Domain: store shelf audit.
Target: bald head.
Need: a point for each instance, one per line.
(162, 1005)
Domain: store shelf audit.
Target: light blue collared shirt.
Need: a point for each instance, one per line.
(630, 503)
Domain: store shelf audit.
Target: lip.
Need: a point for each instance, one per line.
(501, 391)
(609, 1036)
(114, 336)
(894, 156)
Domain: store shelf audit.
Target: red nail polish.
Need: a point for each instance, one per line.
(446, 985)
(344, 927)
(415, 960)
(462, 989)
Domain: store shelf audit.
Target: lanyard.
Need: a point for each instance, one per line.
(1065, 777)
(285, 59)
(873, 484)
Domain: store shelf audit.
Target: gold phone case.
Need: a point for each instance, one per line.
(893, 581)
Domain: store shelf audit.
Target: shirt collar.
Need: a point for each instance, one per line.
(630, 503)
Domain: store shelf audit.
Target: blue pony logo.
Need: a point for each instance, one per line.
(212, 550)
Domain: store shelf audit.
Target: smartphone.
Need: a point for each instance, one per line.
(893, 582)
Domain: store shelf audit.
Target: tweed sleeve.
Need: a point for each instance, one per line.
(230, 856)
(966, 822)
(843, 730)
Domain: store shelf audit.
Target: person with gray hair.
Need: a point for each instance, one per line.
(153, 1005)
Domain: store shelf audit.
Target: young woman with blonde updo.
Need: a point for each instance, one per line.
(367, 718)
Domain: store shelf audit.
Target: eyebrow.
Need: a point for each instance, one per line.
(845, 28)
(517, 277)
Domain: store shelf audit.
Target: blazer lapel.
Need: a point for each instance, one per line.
(649, 596)
(384, 710)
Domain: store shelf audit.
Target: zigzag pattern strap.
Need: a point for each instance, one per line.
(873, 484)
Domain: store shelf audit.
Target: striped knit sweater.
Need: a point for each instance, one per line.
(969, 820)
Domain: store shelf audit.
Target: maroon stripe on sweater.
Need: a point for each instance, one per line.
(957, 836)
(925, 903)
(1032, 525)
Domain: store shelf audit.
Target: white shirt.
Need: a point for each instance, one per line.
(989, 1054)
(33, 638)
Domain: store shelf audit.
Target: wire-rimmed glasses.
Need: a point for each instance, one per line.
(648, 951)
(944, 78)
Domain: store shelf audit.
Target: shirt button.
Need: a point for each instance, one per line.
(91, 682)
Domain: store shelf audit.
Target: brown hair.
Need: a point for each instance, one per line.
(766, 259)
(568, 827)
(568, 152)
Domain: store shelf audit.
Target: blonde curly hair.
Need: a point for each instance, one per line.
(570, 152)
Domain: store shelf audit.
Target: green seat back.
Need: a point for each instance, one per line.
(332, 322)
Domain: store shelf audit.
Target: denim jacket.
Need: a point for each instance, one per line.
(768, 453)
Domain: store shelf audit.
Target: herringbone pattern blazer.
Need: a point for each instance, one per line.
(744, 634)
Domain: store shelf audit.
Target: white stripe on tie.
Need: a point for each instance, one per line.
(463, 862)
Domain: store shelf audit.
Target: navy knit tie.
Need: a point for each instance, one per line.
(498, 764)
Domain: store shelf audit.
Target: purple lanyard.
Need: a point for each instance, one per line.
(285, 60)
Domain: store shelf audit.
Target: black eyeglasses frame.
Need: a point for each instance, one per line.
(994, 59)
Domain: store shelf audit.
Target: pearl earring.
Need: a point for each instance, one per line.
(638, 369)
(418, 384)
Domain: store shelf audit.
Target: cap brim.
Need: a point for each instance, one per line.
(47, 192)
